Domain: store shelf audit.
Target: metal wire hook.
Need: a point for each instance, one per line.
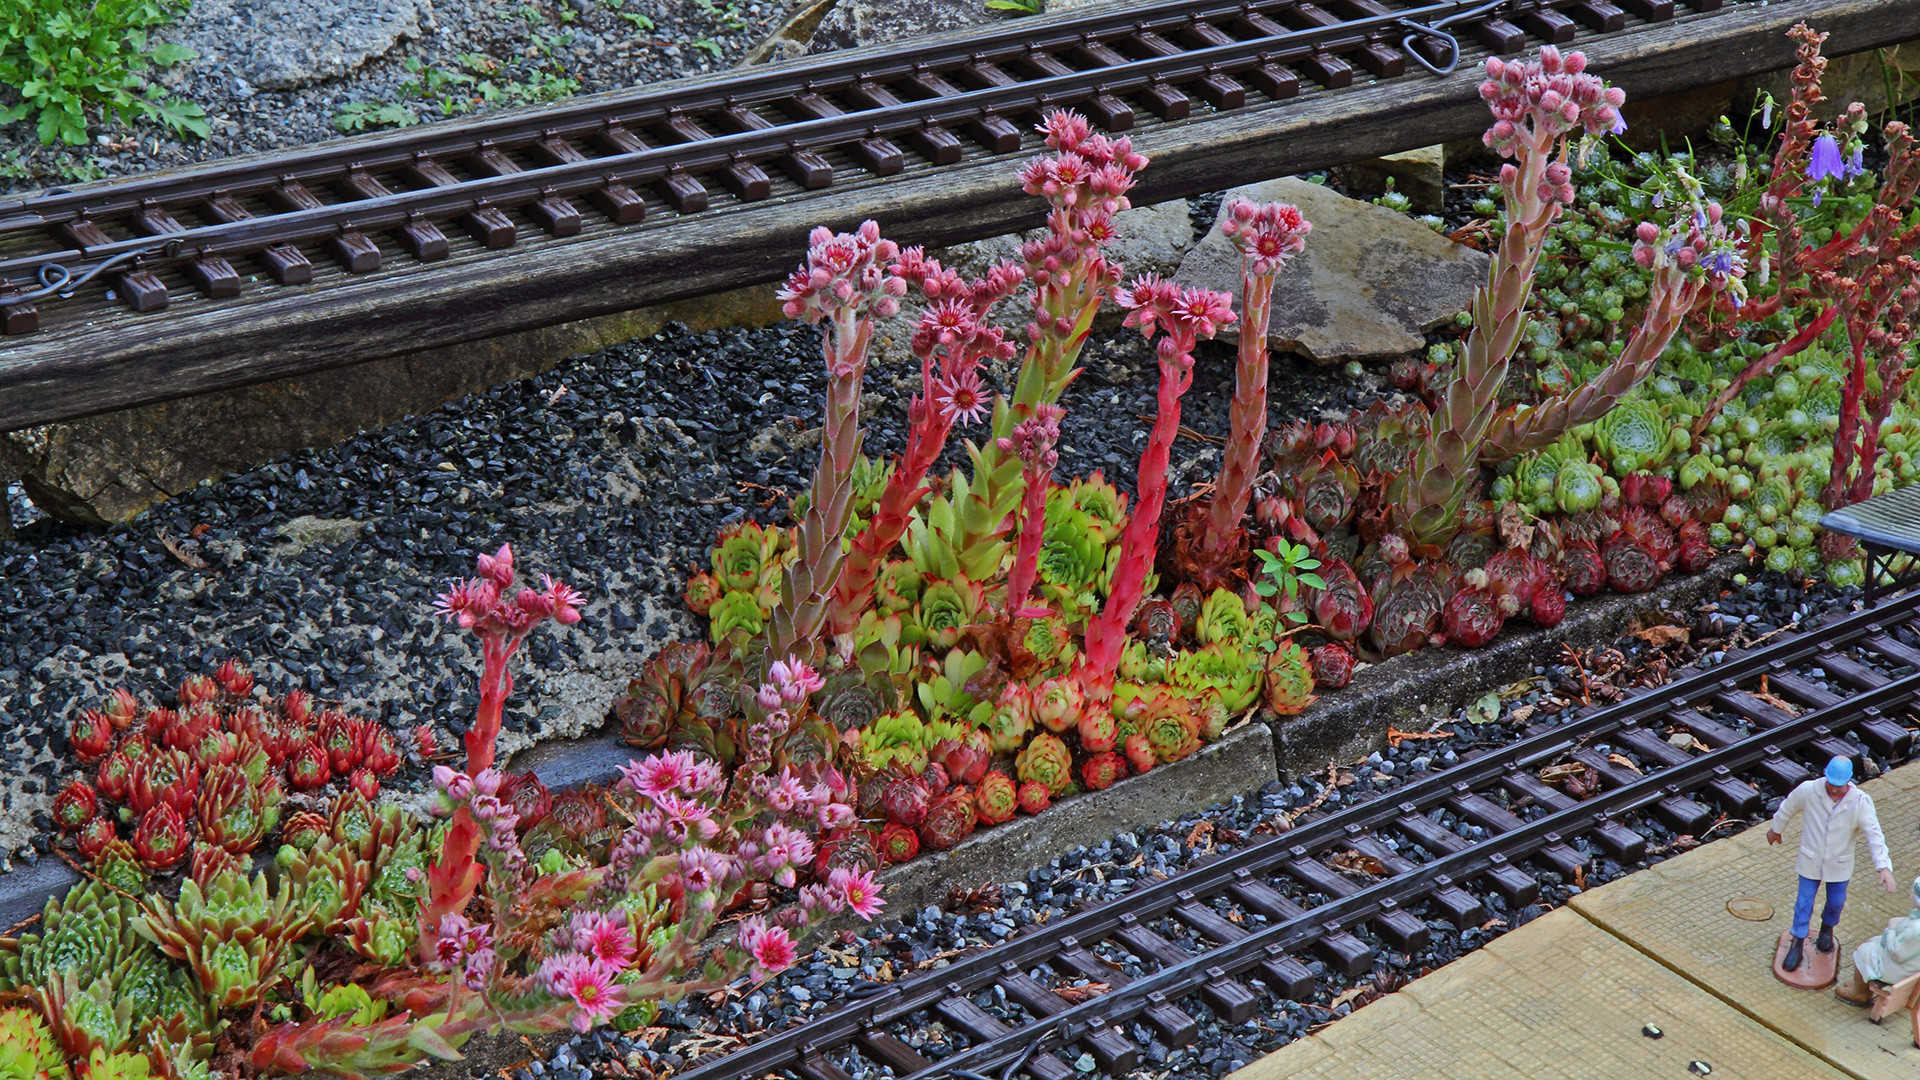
(1436, 31)
(57, 280)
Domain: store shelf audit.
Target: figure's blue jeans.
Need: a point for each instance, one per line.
(1803, 905)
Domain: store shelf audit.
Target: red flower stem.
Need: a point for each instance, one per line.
(1248, 414)
(451, 879)
(925, 442)
(496, 683)
(1107, 634)
(1845, 450)
(1764, 364)
(1033, 525)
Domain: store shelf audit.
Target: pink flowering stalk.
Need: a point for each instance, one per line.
(1693, 257)
(1183, 317)
(846, 283)
(484, 605)
(501, 620)
(1267, 235)
(1033, 441)
(951, 341)
(1536, 106)
(1086, 178)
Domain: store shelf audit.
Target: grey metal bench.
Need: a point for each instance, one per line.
(1886, 526)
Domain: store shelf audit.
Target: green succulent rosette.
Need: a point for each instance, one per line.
(1223, 617)
(736, 613)
(1047, 761)
(1226, 673)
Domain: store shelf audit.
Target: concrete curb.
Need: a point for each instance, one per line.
(1347, 724)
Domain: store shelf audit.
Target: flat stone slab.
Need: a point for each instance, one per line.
(1558, 998)
(1817, 970)
(1677, 913)
(1369, 285)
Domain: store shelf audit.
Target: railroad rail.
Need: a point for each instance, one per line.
(1253, 913)
(252, 268)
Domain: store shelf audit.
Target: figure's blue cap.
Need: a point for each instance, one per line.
(1840, 772)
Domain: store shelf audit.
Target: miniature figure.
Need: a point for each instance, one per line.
(1890, 958)
(1834, 809)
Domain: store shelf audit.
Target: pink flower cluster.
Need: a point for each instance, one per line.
(1537, 101)
(844, 890)
(467, 948)
(769, 946)
(1696, 243)
(587, 972)
(1034, 440)
(847, 274)
(789, 683)
(953, 338)
(1186, 315)
(481, 603)
(481, 796)
(1268, 234)
(1087, 179)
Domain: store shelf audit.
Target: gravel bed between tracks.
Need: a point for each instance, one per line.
(904, 941)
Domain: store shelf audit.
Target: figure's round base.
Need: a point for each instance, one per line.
(1817, 970)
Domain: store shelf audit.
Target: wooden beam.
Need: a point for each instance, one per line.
(114, 359)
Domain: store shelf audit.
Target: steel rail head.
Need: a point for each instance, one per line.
(1176, 980)
(922, 990)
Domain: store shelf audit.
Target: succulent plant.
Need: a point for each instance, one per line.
(896, 742)
(28, 1050)
(88, 931)
(1034, 797)
(1097, 730)
(906, 800)
(995, 799)
(1227, 673)
(234, 936)
(1142, 664)
(1342, 609)
(1289, 679)
(945, 609)
(1139, 752)
(950, 819)
(308, 768)
(1073, 556)
(1042, 646)
(1100, 771)
(736, 615)
(965, 759)
(1166, 719)
(1332, 665)
(119, 1065)
(91, 736)
(743, 555)
(1223, 617)
(1057, 704)
(1632, 436)
(682, 687)
(1158, 621)
(1584, 570)
(76, 805)
(1046, 761)
(1011, 720)
(955, 687)
(897, 843)
(234, 812)
(1548, 605)
(1474, 615)
(94, 836)
(160, 840)
(1407, 606)
(163, 776)
(119, 865)
(327, 881)
(1327, 489)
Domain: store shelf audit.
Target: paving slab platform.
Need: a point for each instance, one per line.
(1567, 995)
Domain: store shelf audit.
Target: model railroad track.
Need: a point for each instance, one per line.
(242, 270)
(1263, 910)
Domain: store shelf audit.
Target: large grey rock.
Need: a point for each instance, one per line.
(1149, 239)
(1369, 285)
(853, 23)
(285, 44)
